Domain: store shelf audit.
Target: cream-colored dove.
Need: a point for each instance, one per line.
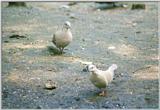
(62, 38)
(101, 78)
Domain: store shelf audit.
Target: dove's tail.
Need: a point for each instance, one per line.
(113, 67)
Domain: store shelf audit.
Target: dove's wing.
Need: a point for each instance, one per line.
(98, 79)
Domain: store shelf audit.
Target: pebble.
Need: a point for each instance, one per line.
(83, 40)
(123, 107)
(64, 7)
(107, 102)
(6, 41)
(138, 6)
(111, 48)
(82, 48)
(38, 107)
(50, 85)
(138, 32)
(122, 74)
(104, 6)
(72, 3)
(134, 24)
(72, 16)
(14, 92)
(17, 36)
(98, 10)
(77, 98)
(125, 6)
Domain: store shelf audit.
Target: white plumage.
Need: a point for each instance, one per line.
(62, 38)
(101, 78)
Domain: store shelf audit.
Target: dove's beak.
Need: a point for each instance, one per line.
(69, 27)
(86, 69)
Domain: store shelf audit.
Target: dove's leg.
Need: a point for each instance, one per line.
(60, 49)
(103, 93)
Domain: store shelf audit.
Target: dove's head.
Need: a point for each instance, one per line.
(113, 67)
(67, 25)
(91, 68)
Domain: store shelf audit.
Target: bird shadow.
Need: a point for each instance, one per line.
(53, 51)
(93, 97)
(92, 94)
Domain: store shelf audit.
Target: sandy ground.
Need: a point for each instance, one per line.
(120, 35)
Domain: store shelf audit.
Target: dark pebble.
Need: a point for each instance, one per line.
(138, 32)
(5, 94)
(6, 41)
(72, 3)
(38, 107)
(83, 40)
(138, 6)
(77, 98)
(17, 36)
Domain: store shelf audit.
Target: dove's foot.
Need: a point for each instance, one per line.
(103, 93)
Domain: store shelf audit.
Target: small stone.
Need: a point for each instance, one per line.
(123, 107)
(14, 92)
(107, 102)
(147, 98)
(24, 96)
(49, 69)
(125, 6)
(138, 32)
(38, 107)
(17, 36)
(83, 40)
(77, 79)
(64, 6)
(72, 3)
(72, 16)
(106, 5)
(18, 4)
(82, 48)
(98, 10)
(96, 42)
(5, 94)
(77, 98)
(6, 41)
(117, 105)
(134, 24)
(50, 85)
(138, 6)
(121, 74)
(111, 48)
(125, 55)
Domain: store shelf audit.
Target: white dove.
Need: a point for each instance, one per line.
(101, 78)
(63, 37)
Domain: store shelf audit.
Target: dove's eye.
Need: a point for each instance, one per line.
(92, 68)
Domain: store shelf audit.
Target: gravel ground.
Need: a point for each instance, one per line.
(123, 36)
